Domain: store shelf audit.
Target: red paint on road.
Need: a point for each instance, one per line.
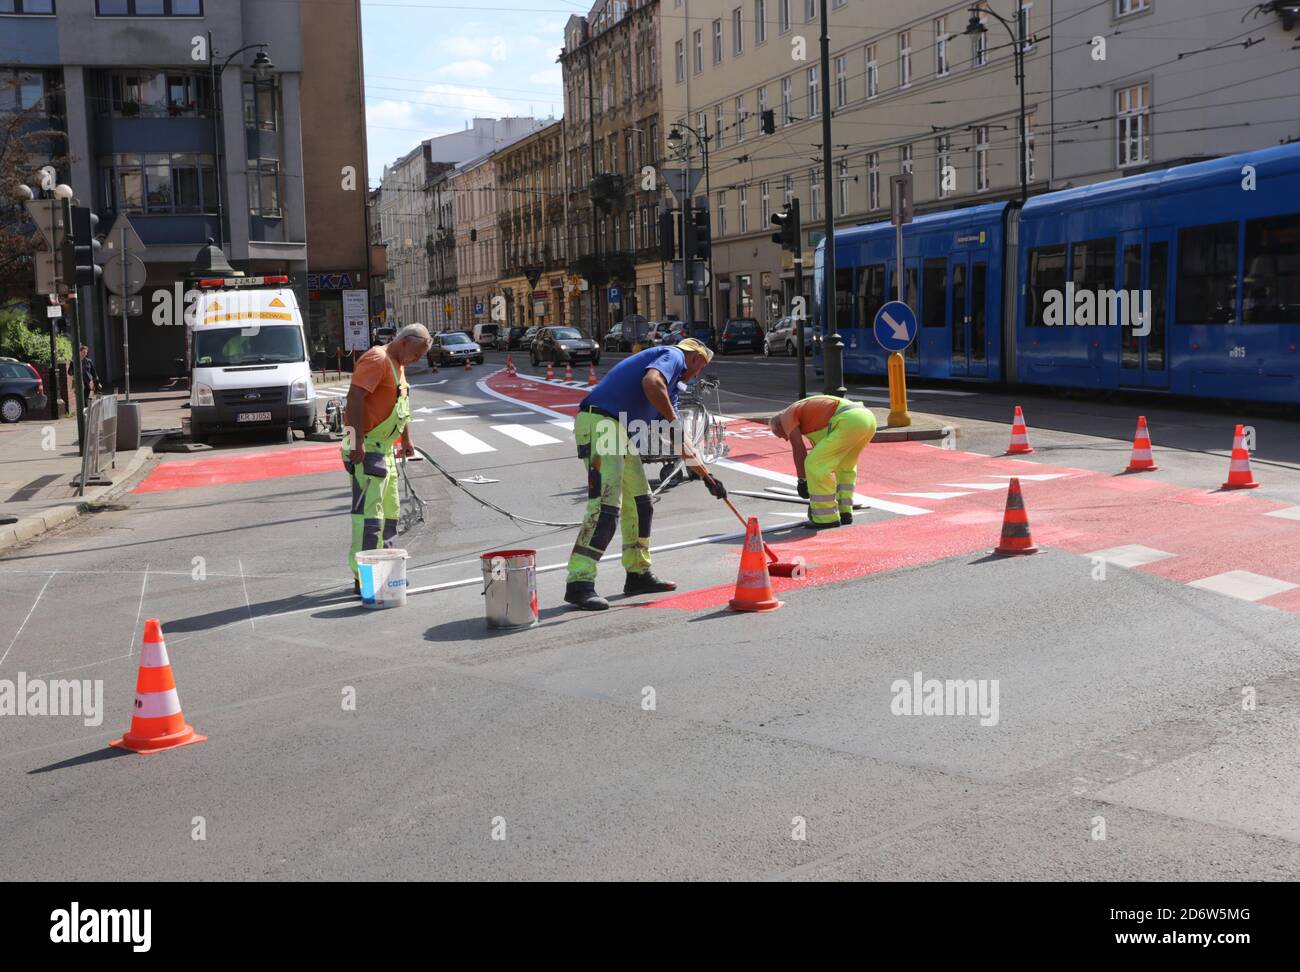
(221, 470)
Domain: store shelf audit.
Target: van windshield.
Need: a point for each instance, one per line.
(226, 347)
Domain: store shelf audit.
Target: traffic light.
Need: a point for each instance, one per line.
(788, 221)
(698, 238)
(79, 247)
(767, 121)
(667, 237)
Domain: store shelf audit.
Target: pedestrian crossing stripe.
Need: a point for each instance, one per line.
(528, 436)
(463, 442)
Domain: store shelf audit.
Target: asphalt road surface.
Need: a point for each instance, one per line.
(1138, 679)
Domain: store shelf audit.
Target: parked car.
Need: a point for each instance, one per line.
(627, 334)
(561, 344)
(486, 335)
(384, 334)
(514, 336)
(453, 347)
(784, 339)
(526, 342)
(740, 334)
(21, 390)
(657, 331)
(675, 332)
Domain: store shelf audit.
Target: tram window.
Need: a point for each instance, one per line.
(1092, 266)
(934, 292)
(1271, 286)
(1207, 274)
(909, 288)
(871, 292)
(1046, 272)
(843, 298)
(1130, 350)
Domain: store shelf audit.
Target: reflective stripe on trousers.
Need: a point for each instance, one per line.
(617, 490)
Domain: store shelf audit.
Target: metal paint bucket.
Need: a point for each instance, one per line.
(510, 588)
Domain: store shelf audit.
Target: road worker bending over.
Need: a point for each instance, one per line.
(839, 430)
(619, 420)
(378, 413)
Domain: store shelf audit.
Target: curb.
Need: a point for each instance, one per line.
(912, 434)
(33, 526)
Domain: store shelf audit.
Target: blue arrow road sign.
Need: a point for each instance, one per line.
(895, 326)
(615, 295)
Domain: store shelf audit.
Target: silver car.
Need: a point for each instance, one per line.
(783, 339)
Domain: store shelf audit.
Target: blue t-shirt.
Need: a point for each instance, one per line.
(620, 393)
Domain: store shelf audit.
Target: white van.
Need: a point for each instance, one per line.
(486, 335)
(248, 353)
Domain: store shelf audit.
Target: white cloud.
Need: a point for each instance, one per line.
(467, 70)
(551, 77)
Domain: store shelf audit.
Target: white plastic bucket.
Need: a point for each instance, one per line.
(383, 577)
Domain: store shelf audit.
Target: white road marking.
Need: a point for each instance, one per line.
(1130, 555)
(483, 387)
(563, 423)
(888, 506)
(1289, 513)
(463, 442)
(933, 496)
(139, 611)
(508, 414)
(1037, 478)
(989, 486)
(1244, 585)
(28, 618)
(247, 603)
(528, 436)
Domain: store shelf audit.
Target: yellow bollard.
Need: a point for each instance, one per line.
(898, 415)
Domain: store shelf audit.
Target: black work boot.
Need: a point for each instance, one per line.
(846, 519)
(582, 595)
(814, 525)
(647, 583)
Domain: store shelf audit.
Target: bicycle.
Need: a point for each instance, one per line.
(702, 428)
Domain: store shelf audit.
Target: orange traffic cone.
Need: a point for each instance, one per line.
(1239, 474)
(591, 374)
(467, 364)
(1019, 436)
(568, 371)
(753, 583)
(1141, 460)
(1015, 525)
(550, 371)
(157, 722)
(510, 364)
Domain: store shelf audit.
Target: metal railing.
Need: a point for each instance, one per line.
(100, 448)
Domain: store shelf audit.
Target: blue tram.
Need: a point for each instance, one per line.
(1185, 281)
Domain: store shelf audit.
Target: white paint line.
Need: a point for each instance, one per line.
(28, 618)
(901, 509)
(507, 414)
(463, 442)
(139, 611)
(1130, 555)
(563, 423)
(1244, 585)
(540, 409)
(528, 436)
(989, 486)
(447, 418)
(1037, 478)
(247, 603)
(452, 403)
(933, 496)
(426, 384)
(1289, 513)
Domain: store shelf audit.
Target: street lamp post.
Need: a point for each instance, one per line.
(976, 26)
(833, 348)
(262, 67)
(675, 142)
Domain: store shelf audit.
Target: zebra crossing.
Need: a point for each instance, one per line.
(497, 438)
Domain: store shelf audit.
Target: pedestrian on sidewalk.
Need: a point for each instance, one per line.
(89, 377)
(614, 416)
(377, 420)
(839, 430)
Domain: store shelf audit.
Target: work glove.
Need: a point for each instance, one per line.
(716, 488)
(803, 489)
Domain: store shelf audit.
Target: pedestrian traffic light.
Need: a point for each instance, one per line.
(698, 238)
(79, 248)
(788, 221)
(667, 237)
(767, 121)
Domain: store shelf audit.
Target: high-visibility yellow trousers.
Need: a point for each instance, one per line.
(831, 468)
(616, 484)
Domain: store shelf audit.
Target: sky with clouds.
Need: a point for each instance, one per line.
(431, 65)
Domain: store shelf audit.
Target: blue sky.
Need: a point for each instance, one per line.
(433, 64)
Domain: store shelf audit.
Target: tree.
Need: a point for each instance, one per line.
(28, 141)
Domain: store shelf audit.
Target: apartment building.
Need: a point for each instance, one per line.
(478, 241)
(910, 90)
(530, 222)
(440, 211)
(1143, 84)
(147, 136)
(611, 75)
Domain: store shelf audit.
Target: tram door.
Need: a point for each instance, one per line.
(1144, 349)
(968, 276)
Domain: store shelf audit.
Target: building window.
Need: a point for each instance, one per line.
(904, 59)
(943, 162)
(765, 202)
(760, 22)
(844, 186)
(1132, 121)
(979, 42)
(22, 90)
(782, 16)
(740, 119)
(905, 159)
(260, 105)
(762, 103)
(717, 41)
(789, 190)
(940, 46)
(744, 208)
(814, 194)
(157, 94)
(737, 35)
(718, 127)
(627, 80)
(814, 105)
(981, 158)
(679, 58)
(148, 8)
(159, 182)
(722, 213)
(27, 6)
(697, 40)
(1030, 118)
(787, 116)
(873, 72)
(1125, 7)
(809, 11)
(873, 180)
(841, 81)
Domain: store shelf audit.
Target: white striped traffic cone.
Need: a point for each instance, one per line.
(1239, 474)
(1019, 436)
(157, 722)
(1141, 460)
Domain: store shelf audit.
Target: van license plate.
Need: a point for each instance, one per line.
(253, 417)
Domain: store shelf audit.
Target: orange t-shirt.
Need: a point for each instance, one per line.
(809, 414)
(374, 373)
